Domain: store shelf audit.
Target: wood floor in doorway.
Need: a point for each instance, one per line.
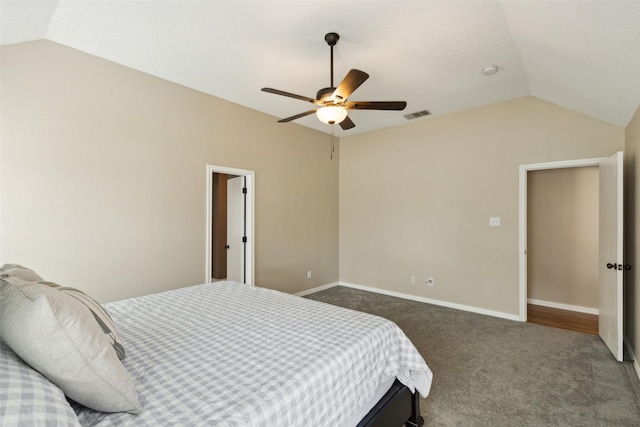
(564, 319)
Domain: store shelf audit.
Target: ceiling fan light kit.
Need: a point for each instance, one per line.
(332, 101)
(332, 114)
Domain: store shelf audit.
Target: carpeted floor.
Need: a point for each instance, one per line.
(495, 372)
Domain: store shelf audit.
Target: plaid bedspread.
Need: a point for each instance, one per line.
(229, 354)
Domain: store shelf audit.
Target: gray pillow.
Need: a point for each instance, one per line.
(58, 336)
(15, 270)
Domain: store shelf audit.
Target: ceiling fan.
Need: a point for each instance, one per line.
(332, 101)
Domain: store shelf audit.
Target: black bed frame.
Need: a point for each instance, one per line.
(396, 408)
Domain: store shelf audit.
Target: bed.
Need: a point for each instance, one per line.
(230, 354)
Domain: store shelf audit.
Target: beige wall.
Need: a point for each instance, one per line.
(562, 236)
(103, 178)
(416, 199)
(632, 234)
(102, 186)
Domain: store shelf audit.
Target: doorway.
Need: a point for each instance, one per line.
(562, 246)
(610, 242)
(230, 224)
(524, 171)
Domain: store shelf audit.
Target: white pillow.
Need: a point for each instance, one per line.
(58, 336)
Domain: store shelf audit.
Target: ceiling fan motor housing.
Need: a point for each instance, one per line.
(324, 94)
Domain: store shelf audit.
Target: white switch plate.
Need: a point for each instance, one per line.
(494, 221)
(309, 274)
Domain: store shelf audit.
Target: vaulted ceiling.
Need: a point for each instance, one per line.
(582, 55)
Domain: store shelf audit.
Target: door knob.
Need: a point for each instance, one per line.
(226, 246)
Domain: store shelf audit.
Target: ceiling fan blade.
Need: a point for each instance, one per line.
(376, 105)
(349, 84)
(347, 124)
(297, 116)
(290, 95)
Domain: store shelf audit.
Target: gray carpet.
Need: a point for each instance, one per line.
(495, 372)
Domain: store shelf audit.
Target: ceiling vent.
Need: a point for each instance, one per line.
(417, 114)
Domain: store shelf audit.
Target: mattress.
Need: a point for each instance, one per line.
(230, 354)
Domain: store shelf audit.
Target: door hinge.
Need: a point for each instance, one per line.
(244, 190)
(244, 239)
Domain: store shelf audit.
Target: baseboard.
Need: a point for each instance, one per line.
(316, 289)
(561, 306)
(432, 301)
(636, 365)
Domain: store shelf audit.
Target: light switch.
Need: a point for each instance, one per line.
(494, 221)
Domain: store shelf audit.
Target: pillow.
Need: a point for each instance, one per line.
(58, 336)
(28, 398)
(14, 270)
(99, 313)
(50, 284)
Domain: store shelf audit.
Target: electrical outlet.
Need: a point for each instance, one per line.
(413, 279)
(309, 274)
(429, 281)
(494, 221)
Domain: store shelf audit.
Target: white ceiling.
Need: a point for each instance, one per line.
(582, 55)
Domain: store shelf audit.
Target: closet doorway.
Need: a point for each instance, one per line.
(562, 248)
(610, 244)
(230, 224)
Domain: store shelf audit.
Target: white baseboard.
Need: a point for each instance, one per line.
(316, 289)
(561, 306)
(433, 301)
(636, 365)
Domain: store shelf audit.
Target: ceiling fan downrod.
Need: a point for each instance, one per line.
(332, 39)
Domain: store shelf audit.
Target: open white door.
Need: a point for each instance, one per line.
(611, 254)
(235, 229)
(248, 215)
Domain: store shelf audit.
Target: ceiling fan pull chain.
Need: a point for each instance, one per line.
(332, 140)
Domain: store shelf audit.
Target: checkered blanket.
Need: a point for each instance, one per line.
(229, 354)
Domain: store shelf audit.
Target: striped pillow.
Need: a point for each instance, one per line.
(58, 336)
(99, 313)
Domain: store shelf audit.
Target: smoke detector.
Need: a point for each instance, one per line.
(490, 70)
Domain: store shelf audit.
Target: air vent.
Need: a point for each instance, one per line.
(417, 115)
